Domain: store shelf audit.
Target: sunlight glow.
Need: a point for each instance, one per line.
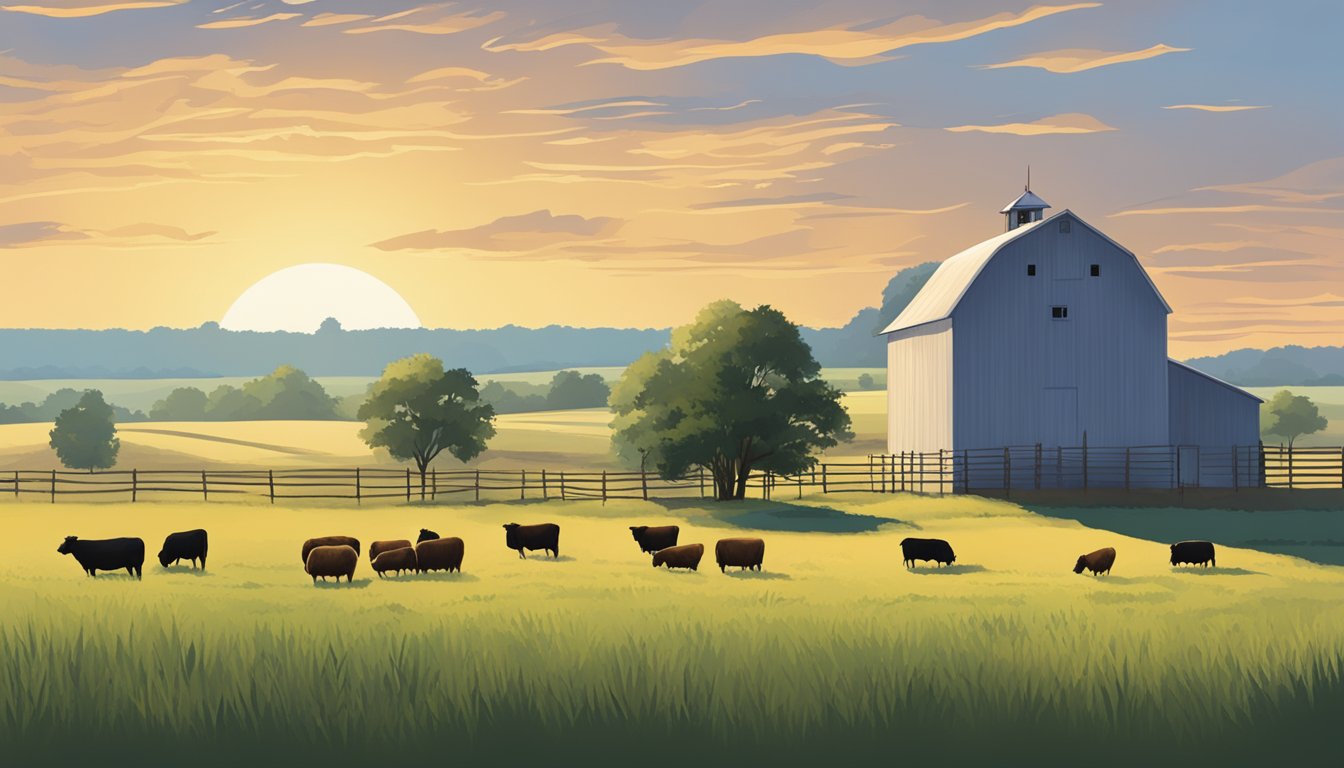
(299, 298)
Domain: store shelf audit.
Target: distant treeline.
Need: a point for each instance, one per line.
(1294, 365)
(51, 407)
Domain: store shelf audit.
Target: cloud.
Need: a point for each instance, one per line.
(526, 232)
(445, 25)
(1219, 210)
(1218, 108)
(851, 44)
(35, 232)
(1071, 60)
(239, 22)
(78, 9)
(1315, 182)
(331, 19)
(163, 231)
(1071, 122)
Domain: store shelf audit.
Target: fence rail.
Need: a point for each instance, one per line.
(997, 470)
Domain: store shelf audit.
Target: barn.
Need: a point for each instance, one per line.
(1052, 336)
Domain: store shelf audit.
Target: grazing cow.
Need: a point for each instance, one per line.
(1097, 562)
(937, 550)
(394, 560)
(329, 541)
(1193, 552)
(740, 553)
(105, 554)
(426, 535)
(685, 556)
(545, 536)
(332, 560)
(656, 538)
(186, 545)
(439, 555)
(379, 547)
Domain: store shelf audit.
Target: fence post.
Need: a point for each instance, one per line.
(1236, 481)
(942, 469)
(921, 471)
(545, 493)
(1036, 472)
(644, 483)
(871, 485)
(478, 485)
(270, 481)
(53, 486)
(562, 485)
(702, 482)
(1084, 461)
(966, 471)
(1127, 470)
(1290, 467)
(1007, 473)
(359, 494)
(522, 492)
(135, 485)
(408, 484)
(824, 488)
(1341, 467)
(604, 486)
(205, 489)
(434, 485)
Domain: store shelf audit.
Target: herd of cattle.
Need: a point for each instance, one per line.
(337, 556)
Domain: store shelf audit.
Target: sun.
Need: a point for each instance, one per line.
(299, 298)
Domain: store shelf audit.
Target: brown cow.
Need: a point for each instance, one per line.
(329, 541)
(741, 553)
(1097, 562)
(685, 556)
(379, 547)
(398, 560)
(338, 561)
(439, 555)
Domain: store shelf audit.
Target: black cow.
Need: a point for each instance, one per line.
(1193, 552)
(106, 554)
(936, 550)
(426, 535)
(186, 545)
(545, 536)
(655, 538)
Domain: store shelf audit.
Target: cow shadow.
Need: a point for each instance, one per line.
(758, 575)
(947, 570)
(549, 559)
(184, 570)
(356, 584)
(111, 576)
(1215, 571)
(778, 516)
(442, 576)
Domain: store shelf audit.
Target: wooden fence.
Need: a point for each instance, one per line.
(998, 470)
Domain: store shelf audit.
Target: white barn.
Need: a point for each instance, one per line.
(1052, 334)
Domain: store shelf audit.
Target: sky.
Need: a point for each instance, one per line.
(624, 163)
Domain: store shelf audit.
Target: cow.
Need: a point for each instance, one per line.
(1193, 552)
(426, 535)
(332, 560)
(379, 547)
(439, 555)
(739, 553)
(1097, 562)
(653, 539)
(545, 536)
(937, 550)
(685, 556)
(106, 554)
(186, 545)
(398, 560)
(329, 541)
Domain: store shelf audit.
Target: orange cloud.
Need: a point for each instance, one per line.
(447, 25)
(1070, 60)
(79, 10)
(1072, 122)
(240, 22)
(331, 19)
(839, 44)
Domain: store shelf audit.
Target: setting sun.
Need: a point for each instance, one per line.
(299, 298)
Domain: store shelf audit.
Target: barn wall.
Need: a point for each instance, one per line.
(1023, 377)
(919, 388)
(1208, 418)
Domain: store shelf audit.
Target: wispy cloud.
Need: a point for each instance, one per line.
(1218, 107)
(1071, 60)
(1316, 182)
(240, 22)
(526, 232)
(1220, 210)
(35, 233)
(841, 44)
(444, 25)
(79, 9)
(332, 19)
(1072, 122)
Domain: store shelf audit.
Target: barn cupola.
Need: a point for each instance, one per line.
(1025, 209)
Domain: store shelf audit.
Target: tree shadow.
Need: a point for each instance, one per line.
(356, 584)
(758, 575)
(442, 576)
(947, 570)
(1316, 535)
(779, 516)
(1215, 571)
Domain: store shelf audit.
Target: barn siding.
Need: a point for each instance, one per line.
(919, 388)
(1019, 372)
(1208, 418)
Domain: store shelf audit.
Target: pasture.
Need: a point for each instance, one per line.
(833, 651)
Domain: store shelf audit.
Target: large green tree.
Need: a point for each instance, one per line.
(571, 389)
(417, 410)
(1290, 416)
(735, 391)
(85, 435)
(182, 404)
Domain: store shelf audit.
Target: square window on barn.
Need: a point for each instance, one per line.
(1096, 270)
(1031, 270)
(1059, 313)
(1065, 227)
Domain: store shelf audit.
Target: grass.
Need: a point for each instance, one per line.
(833, 651)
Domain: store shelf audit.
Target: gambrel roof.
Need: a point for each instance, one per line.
(939, 297)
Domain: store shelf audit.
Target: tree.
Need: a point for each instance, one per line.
(289, 393)
(85, 435)
(182, 404)
(866, 382)
(901, 290)
(229, 403)
(734, 391)
(1290, 416)
(570, 389)
(418, 410)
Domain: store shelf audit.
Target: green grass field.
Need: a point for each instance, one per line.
(833, 652)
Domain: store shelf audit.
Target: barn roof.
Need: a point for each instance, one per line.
(1182, 366)
(1027, 201)
(941, 294)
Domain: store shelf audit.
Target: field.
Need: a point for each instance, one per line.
(597, 659)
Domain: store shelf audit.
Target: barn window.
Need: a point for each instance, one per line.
(1059, 313)
(1065, 227)
(1031, 270)
(1096, 270)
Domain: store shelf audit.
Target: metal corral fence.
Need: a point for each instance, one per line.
(998, 470)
